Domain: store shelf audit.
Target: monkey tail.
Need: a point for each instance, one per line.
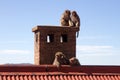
(77, 34)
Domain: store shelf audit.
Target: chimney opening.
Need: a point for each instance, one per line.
(64, 38)
(50, 38)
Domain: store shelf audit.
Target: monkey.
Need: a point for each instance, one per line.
(74, 61)
(65, 19)
(75, 21)
(60, 59)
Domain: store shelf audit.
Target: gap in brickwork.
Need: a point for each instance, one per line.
(50, 38)
(64, 38)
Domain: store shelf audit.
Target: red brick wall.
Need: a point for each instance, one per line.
(44, 51)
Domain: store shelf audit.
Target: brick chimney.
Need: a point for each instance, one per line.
(50, 39)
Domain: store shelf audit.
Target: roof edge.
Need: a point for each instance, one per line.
(64, 68)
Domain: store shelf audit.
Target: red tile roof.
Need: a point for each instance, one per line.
(49, 72)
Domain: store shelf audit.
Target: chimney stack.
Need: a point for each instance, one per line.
(50, 39)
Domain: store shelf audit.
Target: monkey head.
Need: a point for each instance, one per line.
(61, 58)
(66, 15)
(74, 13)
(74, 61)
(67, 12)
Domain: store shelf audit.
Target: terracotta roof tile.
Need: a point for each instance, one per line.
(62, 77)
(47, 72)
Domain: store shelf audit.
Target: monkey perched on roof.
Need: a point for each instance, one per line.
(74, 61)
(60, 59)
(75, 19)
(65, 19)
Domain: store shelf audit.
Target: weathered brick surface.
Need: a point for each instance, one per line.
(44, 51)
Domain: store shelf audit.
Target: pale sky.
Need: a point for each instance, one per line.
(98, 42)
